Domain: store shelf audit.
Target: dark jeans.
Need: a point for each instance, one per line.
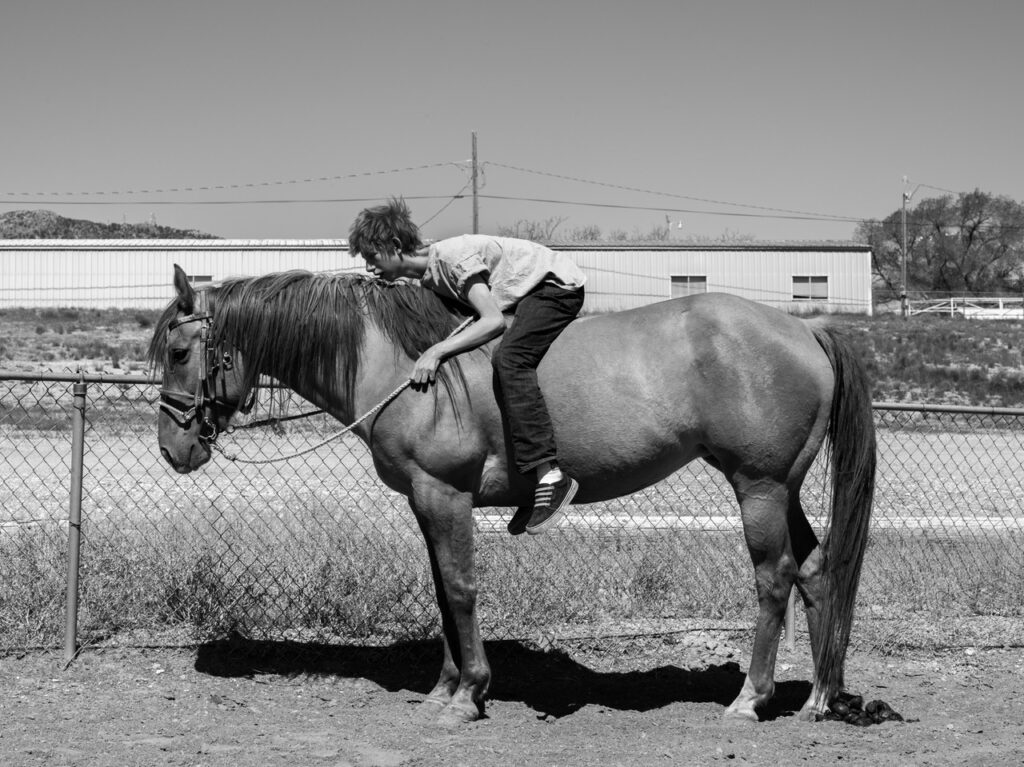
(539, 319)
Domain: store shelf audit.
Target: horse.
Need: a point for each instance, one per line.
(634, 395)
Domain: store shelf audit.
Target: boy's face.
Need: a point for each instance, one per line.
(386, 262)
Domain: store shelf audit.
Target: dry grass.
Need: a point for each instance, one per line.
(942, 360)
(325, 586)
(57, 339)
(318, 549)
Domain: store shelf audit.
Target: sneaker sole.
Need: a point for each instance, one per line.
(559, 512)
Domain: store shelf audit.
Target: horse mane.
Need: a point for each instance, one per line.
(297, 324)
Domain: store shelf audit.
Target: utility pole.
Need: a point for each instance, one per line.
(476, 205)
(904, 303)
(904, 309)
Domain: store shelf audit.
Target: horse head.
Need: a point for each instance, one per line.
(202, 385)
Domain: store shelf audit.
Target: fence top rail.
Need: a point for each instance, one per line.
(20, 375)
(915, 407)
(82, 377)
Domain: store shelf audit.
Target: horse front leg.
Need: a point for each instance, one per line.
(448, 681)
(446, 518)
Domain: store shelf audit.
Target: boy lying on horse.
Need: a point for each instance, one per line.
(491, 275)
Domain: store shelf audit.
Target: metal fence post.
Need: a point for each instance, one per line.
(75, 518)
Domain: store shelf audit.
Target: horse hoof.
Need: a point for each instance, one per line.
(455, 716)
(428, 709)
(740, 715)
(810, 715)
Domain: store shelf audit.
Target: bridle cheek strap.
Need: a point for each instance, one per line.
(172, 400)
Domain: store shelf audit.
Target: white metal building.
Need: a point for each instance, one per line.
(138, 273)
(804, 277)
(798, 278)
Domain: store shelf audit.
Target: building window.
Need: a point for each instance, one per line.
(810, 288)
(199, 279)
(688, 285)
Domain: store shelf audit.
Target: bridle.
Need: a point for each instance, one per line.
(184, 407)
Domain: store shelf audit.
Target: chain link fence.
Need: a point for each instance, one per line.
(317, 550)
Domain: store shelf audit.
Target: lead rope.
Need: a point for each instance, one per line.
(233, 455)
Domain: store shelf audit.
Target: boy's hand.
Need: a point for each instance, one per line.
(425, 370)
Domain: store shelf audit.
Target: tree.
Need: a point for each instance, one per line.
(728, 237)
(589, 233)
(973, 243)
(538, 231)
(544, 232)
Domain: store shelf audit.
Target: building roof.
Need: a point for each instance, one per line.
(197, 244)
(341, 244)
(791, 245)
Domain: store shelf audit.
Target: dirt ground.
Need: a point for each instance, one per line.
(259, 704)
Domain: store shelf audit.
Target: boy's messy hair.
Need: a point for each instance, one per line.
(375, 228)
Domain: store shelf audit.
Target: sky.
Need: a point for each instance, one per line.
(775, 120)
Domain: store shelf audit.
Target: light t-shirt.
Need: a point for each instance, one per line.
(510, 267)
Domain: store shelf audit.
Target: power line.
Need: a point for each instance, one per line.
(457, 196)
(795, 216)
(767, 212)
(254, 185)
(817, 216)
(508, 198)
(450, 198)
(800, 215)
(281, 201)
(937, 188)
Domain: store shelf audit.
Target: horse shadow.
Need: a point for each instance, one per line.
(548, 681)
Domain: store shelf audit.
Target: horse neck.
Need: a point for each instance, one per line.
(383, 367)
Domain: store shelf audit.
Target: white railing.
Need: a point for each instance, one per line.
(972, 307)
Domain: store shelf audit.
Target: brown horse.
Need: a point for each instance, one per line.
(634, 396)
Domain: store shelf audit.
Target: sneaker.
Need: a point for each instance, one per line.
(517, 525)
(550, 502)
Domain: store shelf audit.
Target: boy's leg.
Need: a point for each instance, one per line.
(540, 318)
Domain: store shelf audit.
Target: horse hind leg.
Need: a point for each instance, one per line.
(809, 583)
(765, 528)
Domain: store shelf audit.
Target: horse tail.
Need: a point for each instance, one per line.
(851, 438)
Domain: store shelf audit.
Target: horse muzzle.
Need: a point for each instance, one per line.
(195, 456)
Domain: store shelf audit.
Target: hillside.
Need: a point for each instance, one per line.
(47, 225)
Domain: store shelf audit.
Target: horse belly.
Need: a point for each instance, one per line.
(619, 467)
(624, 429)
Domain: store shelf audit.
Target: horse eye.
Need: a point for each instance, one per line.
(178, 356)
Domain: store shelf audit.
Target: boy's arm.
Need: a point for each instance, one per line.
(489, 324)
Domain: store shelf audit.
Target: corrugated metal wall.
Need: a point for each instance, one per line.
(137, 273)
(621, 279)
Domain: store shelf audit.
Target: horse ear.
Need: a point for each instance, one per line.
(186, 295)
